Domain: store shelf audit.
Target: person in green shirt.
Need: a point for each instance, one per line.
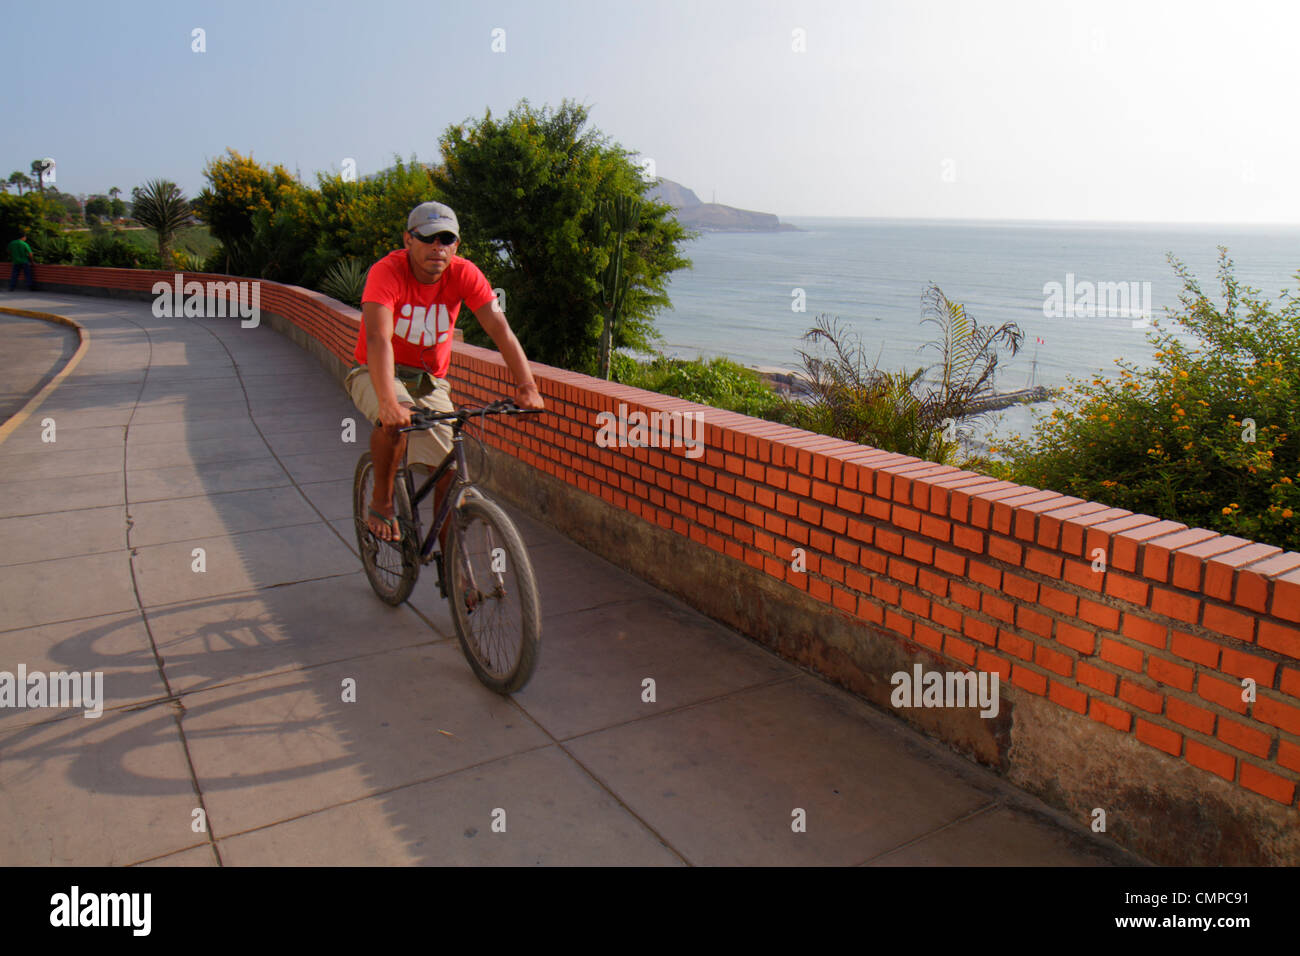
(20, 254)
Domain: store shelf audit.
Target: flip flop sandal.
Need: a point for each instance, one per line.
(393, 525)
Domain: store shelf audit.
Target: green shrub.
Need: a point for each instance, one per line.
(56, 249)
(719, 383)
(906, 412)
(1209, 436)
(112, 250)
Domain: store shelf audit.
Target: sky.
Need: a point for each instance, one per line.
(1130, 111)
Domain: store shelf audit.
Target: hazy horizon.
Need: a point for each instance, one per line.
(1150, 112)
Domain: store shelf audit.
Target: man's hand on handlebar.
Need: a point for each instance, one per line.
(395, 415)
(527, 396)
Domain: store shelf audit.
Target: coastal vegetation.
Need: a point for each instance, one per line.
(1208, 436)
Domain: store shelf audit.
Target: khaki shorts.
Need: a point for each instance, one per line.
(424, 447)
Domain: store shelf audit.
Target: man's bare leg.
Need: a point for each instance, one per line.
(387, 445)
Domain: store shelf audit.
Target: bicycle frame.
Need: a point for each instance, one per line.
(454, 457)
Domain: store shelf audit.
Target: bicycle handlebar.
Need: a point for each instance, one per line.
(422, 419)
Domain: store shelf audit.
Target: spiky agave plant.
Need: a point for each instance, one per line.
(161, 206)
(345, 280)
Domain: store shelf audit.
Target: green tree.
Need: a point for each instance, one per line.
(20, 180)
(238, 189)
(1209, 435)
(161, 206)
(525, 191)
(97, 208)
(117, 208)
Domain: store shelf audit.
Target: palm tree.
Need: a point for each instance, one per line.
(20, 180)
(161, 206)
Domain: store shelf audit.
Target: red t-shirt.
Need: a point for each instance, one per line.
(423, 315)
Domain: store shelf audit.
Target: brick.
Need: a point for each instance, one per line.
(915, 604)
(1081, 574)
(1280, 638)
(1127, 657)
(984, 574)
(1074, 528)
(1171, 742)
(1190, 716)
(1221, 692)
(1124, 545)
(964, 595)
(1016, 645)
(1028, 679)
(1059, 601)
(1182, 607)
(949, 561)
(979, 630)
(1215, 761)
(1288, 755)
(1005, 550)
(1127, 589)
(933, 583)
(997, 607)
(1103, 712)
(1140, 696)
(1245, 738)
(871, 610)
(1291, 681)
(1049, 523)
(968, 539)
(918, 551)
(958, 649)
(1076, 638)
(1254, 582)
(1267, 784)
(1286, 596)
(1144, 631)
(1157, 554)
(1168, 672)
(1095, 677)
(1021, 588)
(1068, 697)
(1043, 563)
(1054, 661)
(1030, 620)
(1195, 649)
(933, 527)
(990, 663)
(1190, 568)
(1233, 623)
(1248, 665)
(890, 541)
(1099, 614)
(1220, 570)
(1278, 714)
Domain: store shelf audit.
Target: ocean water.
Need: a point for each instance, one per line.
(738, 299)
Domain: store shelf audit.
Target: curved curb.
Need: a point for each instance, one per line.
(35, 401)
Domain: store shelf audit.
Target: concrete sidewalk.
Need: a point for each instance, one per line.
(224, 686)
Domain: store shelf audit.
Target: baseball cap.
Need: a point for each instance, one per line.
(430, 217)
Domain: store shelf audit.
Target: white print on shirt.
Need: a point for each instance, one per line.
(413, 326)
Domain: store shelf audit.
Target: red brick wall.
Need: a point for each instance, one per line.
(986, 574)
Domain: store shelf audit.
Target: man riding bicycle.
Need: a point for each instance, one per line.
(408, 310)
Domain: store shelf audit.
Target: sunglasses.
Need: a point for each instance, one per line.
(446, 238)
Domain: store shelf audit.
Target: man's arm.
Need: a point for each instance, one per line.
(494, 323)
(379, 359)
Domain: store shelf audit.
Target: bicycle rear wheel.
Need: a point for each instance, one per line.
(391, 567)
(493, 595)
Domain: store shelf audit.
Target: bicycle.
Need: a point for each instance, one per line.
(490, 584)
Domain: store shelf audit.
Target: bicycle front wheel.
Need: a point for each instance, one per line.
(391, 567)
(493, 595)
